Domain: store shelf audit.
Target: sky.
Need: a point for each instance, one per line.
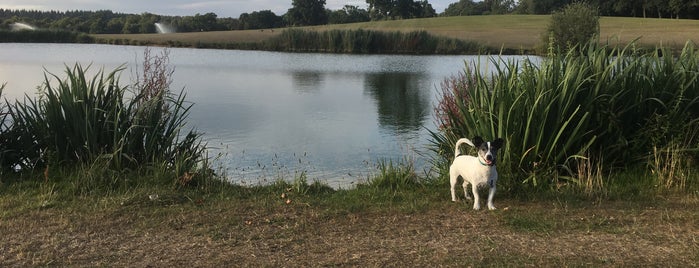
(222, 8)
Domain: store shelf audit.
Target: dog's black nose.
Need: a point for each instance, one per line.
(489, 157)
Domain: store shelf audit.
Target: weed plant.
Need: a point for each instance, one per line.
(608, 106)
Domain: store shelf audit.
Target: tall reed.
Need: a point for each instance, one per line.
(612, 102)
(369, 42)
(95, 122)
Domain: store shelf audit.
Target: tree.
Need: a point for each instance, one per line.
(307, 12)
(499, 6)
(465, 8)
(426, 10)
(348, 14)
(264, 19)
(379, 9)
(399, 9)
(206, 22)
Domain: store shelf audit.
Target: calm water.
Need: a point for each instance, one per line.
(268, 115)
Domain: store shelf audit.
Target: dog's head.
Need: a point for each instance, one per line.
(487, 150)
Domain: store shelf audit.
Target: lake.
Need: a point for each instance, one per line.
(271, 115)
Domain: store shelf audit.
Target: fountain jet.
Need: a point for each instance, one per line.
(18, 26)
(164, 28)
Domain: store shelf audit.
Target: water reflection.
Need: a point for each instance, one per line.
(402, 101)
(307, 81)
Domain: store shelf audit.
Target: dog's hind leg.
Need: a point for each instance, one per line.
(466, 194)
(453, 180)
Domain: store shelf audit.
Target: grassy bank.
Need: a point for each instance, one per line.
(514, 33)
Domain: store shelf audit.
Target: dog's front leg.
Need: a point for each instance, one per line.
(476, 198)
(491, 194)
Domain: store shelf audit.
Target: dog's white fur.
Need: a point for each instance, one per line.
(473, 172)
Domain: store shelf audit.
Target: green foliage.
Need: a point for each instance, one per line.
(470, 7)
(394, 176)
(574, 25)
(368, 42)
(89, 124)
(307, 12)
(610, 103)
(348, 14)
(401, 9)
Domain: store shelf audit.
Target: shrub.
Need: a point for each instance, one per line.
(573, 25)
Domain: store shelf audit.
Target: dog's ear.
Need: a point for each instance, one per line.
(497, 143)
(477, 141)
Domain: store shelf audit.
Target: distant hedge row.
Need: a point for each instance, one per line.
(44, 36)
(369, 42)
(341, 41)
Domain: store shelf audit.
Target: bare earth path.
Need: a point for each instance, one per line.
(235, 233)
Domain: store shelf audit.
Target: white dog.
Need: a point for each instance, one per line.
(475, 170)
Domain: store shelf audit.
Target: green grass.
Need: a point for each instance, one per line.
(514, 33)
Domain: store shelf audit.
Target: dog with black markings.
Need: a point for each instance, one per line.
(478, 171)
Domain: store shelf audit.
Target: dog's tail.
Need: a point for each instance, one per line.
(459, 142)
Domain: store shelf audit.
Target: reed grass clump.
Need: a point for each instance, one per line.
(394, 176)
(368, 42)
(607, 105)
(98, 132)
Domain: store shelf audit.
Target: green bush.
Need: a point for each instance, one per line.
(573, 25)
(609, 106)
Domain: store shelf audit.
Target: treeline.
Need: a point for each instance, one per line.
(106, 21)
(313, 12)
(617, 8)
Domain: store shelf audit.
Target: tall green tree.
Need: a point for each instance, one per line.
(348, 14)
(307, 12)
(465, 8)
(400, 9)
(264, 19)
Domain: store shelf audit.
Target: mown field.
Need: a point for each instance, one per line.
(281, 227)
(516, 32)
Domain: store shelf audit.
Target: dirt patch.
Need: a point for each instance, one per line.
(225, 233)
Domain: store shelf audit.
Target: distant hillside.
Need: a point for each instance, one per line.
(514, 32)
